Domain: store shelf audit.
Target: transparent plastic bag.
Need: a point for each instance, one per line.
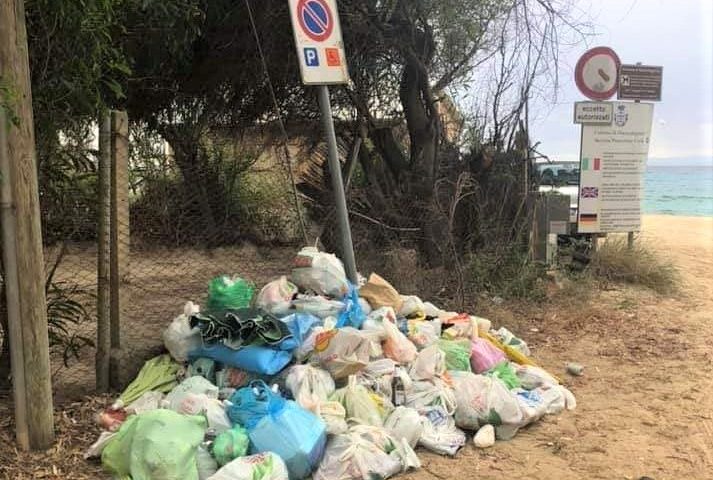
(276, 296)
(342, 352)
(433, 392)
(430, 362)
(397, 346)
(358, 403)
(440, 434)
(309, 385)
(261, 466)
(179, 338)
(352, 457)
(405, 423)
(482, 400)
(320, 272)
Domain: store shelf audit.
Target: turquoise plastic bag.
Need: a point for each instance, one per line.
(156, 444)
(225, 293)
(280, 426)
(253, 358)
(352, 315)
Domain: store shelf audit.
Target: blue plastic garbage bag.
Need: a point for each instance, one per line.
(352, 315)
(300, 325)
(249, 404)
(253, 358)
(280, 426)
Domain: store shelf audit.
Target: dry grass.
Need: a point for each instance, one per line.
(614, 261)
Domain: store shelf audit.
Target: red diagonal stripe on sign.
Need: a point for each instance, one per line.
(307, 9)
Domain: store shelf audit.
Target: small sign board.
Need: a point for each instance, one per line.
(318, 37)
(596, 73)
(640, 82)
(593, 113)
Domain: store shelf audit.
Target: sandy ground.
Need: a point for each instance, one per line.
(645, 400)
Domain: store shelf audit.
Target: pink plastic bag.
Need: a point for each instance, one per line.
(484, 355)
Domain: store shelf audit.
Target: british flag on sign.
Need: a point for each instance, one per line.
(590, 192)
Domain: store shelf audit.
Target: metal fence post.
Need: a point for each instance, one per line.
(119, 240)
(103, 286)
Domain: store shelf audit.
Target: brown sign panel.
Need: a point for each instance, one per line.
(640, 82)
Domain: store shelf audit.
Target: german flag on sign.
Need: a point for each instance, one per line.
(587, 217)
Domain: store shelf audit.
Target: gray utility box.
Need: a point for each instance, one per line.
(551, 218)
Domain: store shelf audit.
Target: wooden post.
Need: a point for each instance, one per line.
(119, 264)
(15, 73)
(630, 240)
(12, 298)
(103, 221)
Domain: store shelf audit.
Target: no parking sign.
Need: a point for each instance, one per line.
(318, 37)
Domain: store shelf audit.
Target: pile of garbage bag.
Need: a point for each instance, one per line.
(315, 377)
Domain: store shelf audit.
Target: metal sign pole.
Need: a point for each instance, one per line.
(335, 169)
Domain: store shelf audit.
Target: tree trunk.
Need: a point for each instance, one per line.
(186, 155)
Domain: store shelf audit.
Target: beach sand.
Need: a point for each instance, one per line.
(645, 401)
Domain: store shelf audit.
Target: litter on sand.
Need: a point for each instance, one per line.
(315, 377)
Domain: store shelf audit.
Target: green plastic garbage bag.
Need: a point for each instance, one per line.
(457, 354)
(230, 445)
(506, 373)
(157, 374)
(226, 293)
(160, 444)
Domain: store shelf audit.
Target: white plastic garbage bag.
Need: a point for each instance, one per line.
(406, 423)
(352, 457)
(317, 305)
(424, 333)
(397, 346)
(183, 397)
(440, 434)
(262, 466)
(320, 272)
(433, 392)
(430, 362)
(148, 401)
(179, 338)
(359, 403)
(334, 416)
(481, 399)
(95, 449)
(207, 466)
(411, 304)
(276, 296)
(342, 352)
(309, 385)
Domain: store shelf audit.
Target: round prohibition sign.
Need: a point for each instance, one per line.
(316, 19)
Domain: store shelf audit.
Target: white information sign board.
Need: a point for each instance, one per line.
(612, 168)
(318, 37)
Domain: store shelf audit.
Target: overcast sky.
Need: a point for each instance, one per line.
(676, 34)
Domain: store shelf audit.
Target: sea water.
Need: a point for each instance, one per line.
(679, 190)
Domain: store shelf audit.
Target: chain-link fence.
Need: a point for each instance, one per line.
(174, 226)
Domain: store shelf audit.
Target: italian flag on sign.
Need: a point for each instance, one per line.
(591, 164)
